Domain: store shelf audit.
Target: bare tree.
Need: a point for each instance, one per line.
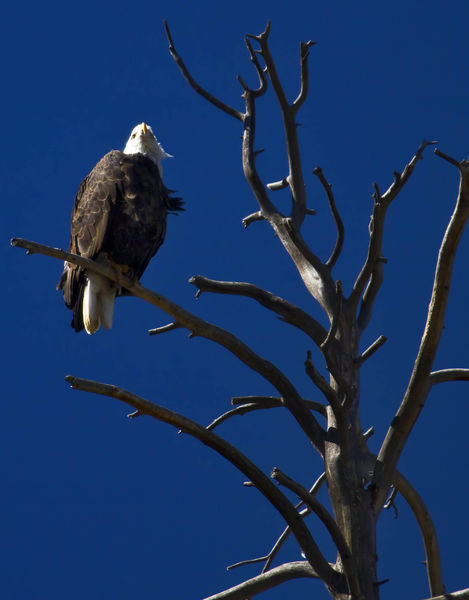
(359, 483)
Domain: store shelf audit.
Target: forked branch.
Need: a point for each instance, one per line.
(289, 111)
(371, 275)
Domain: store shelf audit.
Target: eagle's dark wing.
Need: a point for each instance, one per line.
(120, 209)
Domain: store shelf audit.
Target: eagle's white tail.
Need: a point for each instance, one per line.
(98, 303)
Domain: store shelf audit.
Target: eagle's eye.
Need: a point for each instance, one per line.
(133, 135)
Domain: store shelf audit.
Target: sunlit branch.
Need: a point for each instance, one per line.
(428, 531)
(164, 329)
(446, 375)
(419, 384)
(304, 53)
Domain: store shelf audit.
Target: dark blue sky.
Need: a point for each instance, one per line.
(95, 505)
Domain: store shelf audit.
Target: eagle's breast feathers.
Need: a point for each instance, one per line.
(119, 216)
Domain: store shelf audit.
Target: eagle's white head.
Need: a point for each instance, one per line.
(142, 140)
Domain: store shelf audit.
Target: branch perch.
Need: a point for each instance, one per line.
(201, 328)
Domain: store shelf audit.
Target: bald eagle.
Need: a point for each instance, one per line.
(118, 219)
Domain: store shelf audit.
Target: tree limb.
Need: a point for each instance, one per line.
(329, 523)
(446, 375)
(201, 328)
(164, 329)
(459, 595)
(193, 83)
(266, 581)
(233, 455)
(337, 219)
(321, 383)
(295, 176)
(376, 345)
(249, 407)
(304, 53)
(428, 531)
(419, 384)
(371, 272)
(289, 312)
(286, 532)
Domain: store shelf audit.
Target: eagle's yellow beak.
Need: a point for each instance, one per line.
(144, 128)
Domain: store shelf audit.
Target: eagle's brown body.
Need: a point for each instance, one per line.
(119, 215)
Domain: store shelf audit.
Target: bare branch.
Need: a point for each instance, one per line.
(164, 329)
(335, 213)
(371, 273)
(376, 345)
(273, 401)
(419, 384)
(329, 523)
(257, 216)
(233, 455)
(450, 159)
(326, 344)
(315, 275)
(193, 83)
(304, 53)
(286, 532)
(266, 581)
(259, 70)
(295, 175)
(459, 595)
(321, 383)
(265, 404)
(427, 528)
(289, 312)
(278, 185)
(446, 375)
(199, 327)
